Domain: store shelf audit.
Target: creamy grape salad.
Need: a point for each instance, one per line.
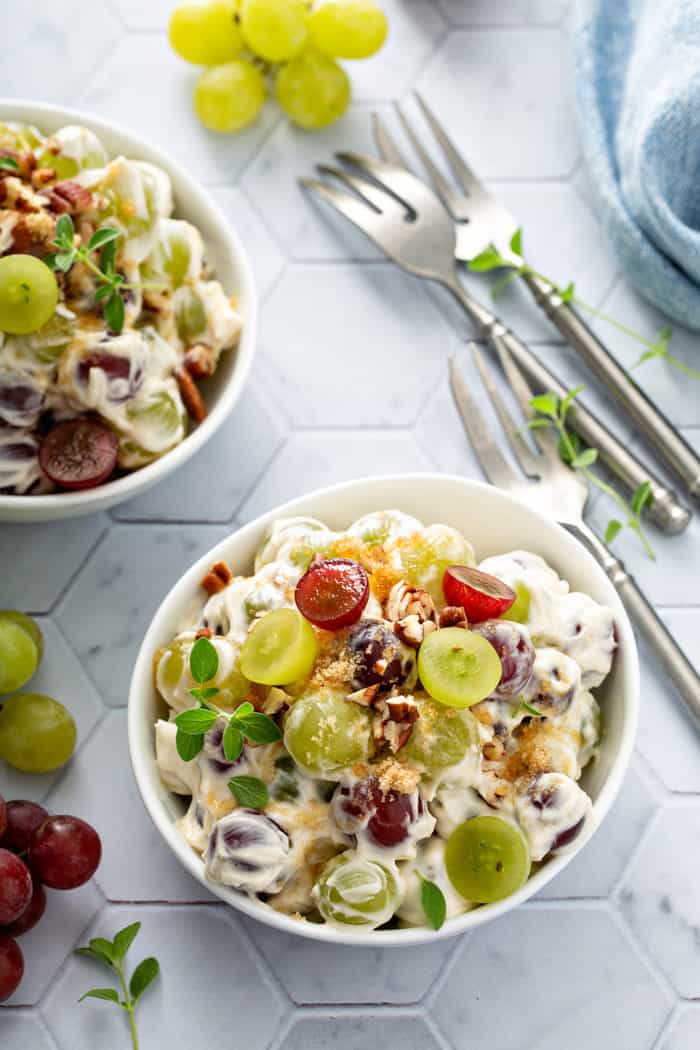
(371, 711)
(110, 315)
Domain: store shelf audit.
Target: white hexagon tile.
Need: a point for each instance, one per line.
(350, 380)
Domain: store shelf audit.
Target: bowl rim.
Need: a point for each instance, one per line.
(142, 676)
(80, 502)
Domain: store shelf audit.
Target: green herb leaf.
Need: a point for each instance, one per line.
(8, 164)
(103, 948)
(103, 292)
(585, 459)
(124, 939)
(524, 706)
(195, 721)
(249, 791)
(567, 401)
(434, 904)
(232, 741)
(61, 261)
(641, 497)
(90, 953)
(144, 974)
(114, 312)
(243, 710)
(516, 242)
(101, 993)
(204, 661)
(188, 747)
(259, 728)
(614, 527)
(490, 259)
(567, 294)
(101, 237)
(546, 404)
(108, 258)
(65, 231)
(537, 423)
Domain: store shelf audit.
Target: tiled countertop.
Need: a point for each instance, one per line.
(349, 380)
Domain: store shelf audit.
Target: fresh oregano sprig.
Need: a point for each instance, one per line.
(552, 412)
(113, 954)
(433, 901)
(492, 259)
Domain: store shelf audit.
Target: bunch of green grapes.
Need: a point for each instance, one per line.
(291, 46)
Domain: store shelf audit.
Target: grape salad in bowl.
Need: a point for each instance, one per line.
(385, 712)
(127, 314)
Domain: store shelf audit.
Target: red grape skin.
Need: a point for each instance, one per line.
(65, 852)
(11, 967)
(79, 453)
(482, 596)
(31, 914)
(23, 819)
(516, 652)
(332, 593)
(386, 816)
(3, 816)
(15, 887)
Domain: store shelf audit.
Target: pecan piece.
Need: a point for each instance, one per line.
(454, 616)
(364, 697)
(32, 234)
(393, 720)
(42, 176)
(411, 631)
(204, 632)
(69, 197)
(218, 577)
(413, 612)
(200, 361)
(191, 397)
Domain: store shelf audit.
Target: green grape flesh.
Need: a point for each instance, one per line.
(326, 735)
(487, 859)
(313, 90)
(519, 611)
(37, 733)
(280, 648)
(28, 294)
(229, 97)
(458, 667)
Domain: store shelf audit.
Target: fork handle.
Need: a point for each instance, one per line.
(659, 639)
(648, 418)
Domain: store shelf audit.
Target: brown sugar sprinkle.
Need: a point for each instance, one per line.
(532, 755)
(191, 396)
(204, 632)
(218, 577)
(396, 776)
(335, 664)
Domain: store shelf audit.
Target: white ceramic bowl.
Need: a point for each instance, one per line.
(494, 523)
(223, 249)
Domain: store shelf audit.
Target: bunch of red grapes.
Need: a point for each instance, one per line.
(36, 850)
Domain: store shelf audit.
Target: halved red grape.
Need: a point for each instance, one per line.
(65, 852)
(121, 384)
(3, 816)
(79, 453)
(11, 967)
(23, 819)
(482, 596)
(516, 651)
(332, 593)
(31, 914)
(15, 887)
(385, 817)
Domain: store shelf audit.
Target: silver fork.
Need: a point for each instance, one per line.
(481, 220)
(406, 219)
(562, 494)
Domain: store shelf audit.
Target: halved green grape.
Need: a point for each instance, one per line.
(37, 733)
(326, 735)
(176, 255)
(158, 422)
(72, 149)
(458, 667)
(21, 648)
(426, 555)
(348, 28)
(281, 647)
(46, 345)
(487, 859)
(274, 29)
(441, 737)
(356, 891)
(19, 137)
(313, 90)
(190, 315)
(229, 97)
(233, 689)
(169, 667)
(205, 34)
(519, 611)
(28, 294)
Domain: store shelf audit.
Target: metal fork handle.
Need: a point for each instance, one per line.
(649, 420)
(665, 510)
(661, 643)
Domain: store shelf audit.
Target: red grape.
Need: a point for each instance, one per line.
(15, 887)
(516, 651)
(31, 914)
(386, 817)
(23, 818)
(11, 967)
(482, 596)
(79, 453)
(20, 402)
(332, 593)
(3, 817)
(65, 852)
(379, 657)
(120, 384)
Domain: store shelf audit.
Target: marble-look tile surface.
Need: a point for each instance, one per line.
(504, 12)
(685, 1031)
(352, 1031)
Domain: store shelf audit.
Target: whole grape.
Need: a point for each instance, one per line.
(516, 651)
(276, 30)
(20, 650)
(11, 967)
(229, 97)
(327, 735)
(249, 851)
(3, 817)
(379, 658)
(65, 852)
(313, 90)
(23, 819)
(357, 891)
(348, 28)
(441, 737)
(15, 887)
(31, 914)
(205, 34)
(37, 733)
(386, 818)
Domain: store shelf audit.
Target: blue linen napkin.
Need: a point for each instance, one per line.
(637, 75)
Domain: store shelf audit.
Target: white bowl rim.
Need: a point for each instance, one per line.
(378, 938)
(66, 503)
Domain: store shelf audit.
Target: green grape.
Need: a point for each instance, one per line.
(20, 650)
(19, 137)
(519, 611)
(161, 416)
(28, 294)
(313, 90)
(281, 647)
(46, 345)
(356, 891)
(276, 30)
(233, 689)
(441, 737)
(229, 97)
(487, 859)
(326, 735)
(348, 28)
(37, 734)
(73, 149)
(205, 34)
(169, 667)
(426, 555)
(457, 667)
(190, 316)
(281, 533)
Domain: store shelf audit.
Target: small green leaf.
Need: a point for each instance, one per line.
(208, 692)
(204, 661)
(585, 459)
(103, 292)
(108, 994)
(108, 258)
(65, 231)
(568, 400)
(641, 497)
(61, 261)
(114, 312)
(243, 710)
(537, 424)
(195, 721)
(188, 747)
(546, 404)
(490, 259)
(102, 237)
(259, 729)
(144, 974)
(232, 741)
(524, 706)
(90, 953)
(612, 530)
(249, 791)
(567, 294)
(8, 164)
(516, 242)
(124, 939)
(434, 904)
(104, 948)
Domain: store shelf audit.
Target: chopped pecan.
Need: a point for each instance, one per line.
(393, 720)
(405, 600)
(454, 616)
(200, 361)
(191, 397)
(218, 577)
(204, 632)
(364, 697)
(42, 176)
(69, 197)
(411, 631)
(32, 234)
(493, 750)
